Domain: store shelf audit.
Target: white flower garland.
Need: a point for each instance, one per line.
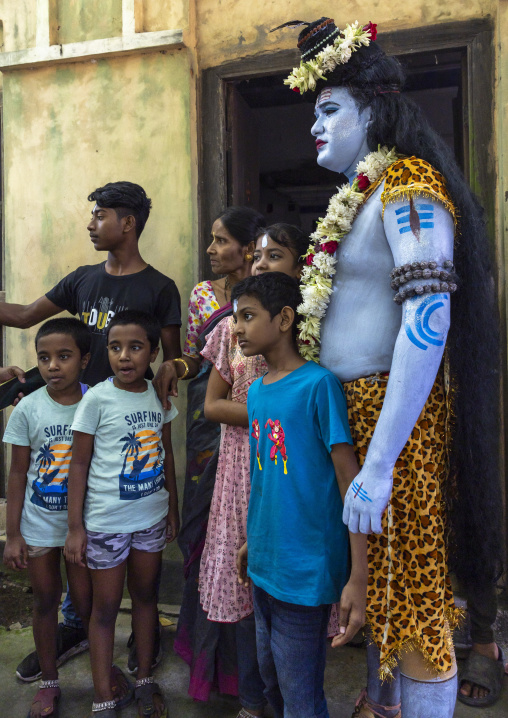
(339, 52)
(316, 281)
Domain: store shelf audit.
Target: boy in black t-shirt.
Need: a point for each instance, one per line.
(96, 293)
(124, 281)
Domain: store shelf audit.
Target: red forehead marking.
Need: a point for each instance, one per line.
(324, 95)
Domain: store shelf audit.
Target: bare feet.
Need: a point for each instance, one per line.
(489, 650)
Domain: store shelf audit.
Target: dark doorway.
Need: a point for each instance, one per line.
(271, 155)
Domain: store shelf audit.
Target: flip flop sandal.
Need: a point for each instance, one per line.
(485, 672)
(119, 679)
(48, 697)
(144, 695)
(363, 701)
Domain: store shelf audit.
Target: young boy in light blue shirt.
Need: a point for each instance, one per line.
(123, 504)
(302, 463)
(40, 433)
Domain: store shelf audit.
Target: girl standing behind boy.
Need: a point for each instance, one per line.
(39, 430)
(278, 248)
(123, 462)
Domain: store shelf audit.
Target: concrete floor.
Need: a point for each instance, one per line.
(345, 676)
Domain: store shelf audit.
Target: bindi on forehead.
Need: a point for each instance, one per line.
(264, 241)
(324, 95)
(235, 306)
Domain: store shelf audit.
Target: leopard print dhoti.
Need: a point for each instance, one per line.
(409, 597)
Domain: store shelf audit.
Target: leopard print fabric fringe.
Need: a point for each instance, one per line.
(409, 596)
(410, 177)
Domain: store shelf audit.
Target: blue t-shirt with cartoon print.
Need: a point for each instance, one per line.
(45, 426)
(298, 543)
(125, 488)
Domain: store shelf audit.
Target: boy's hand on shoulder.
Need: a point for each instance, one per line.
(172, 524)
(352, 610)
(75, 546)
(11, 372)
(166, 383)
(16, 553)
(241, 566)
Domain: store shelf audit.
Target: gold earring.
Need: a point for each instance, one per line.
(249, 257)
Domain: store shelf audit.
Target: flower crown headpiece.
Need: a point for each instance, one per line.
(338, 52)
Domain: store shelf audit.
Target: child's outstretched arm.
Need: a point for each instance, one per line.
(75, 543)
(354, 594)
(16, 552)
(218, 407)
(173, 520)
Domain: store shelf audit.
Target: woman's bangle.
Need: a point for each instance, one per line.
(185, 365)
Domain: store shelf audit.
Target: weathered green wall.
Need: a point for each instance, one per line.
(79, 20)
(19, 23)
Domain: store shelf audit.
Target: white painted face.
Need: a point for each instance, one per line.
(340, 131)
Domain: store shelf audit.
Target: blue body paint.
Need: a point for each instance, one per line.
(425, 215)
(361, 493)
(418, 329)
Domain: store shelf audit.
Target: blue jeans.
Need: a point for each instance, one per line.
(291, 644)
(71, 618)
(250, 684)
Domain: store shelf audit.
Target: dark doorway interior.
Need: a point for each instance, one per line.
(271, 156)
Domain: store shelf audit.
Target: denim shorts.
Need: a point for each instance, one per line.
(110, 550)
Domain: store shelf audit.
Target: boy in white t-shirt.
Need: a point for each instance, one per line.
(39, 430)
(123, 504)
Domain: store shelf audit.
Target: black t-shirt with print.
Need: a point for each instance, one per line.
(96, 296)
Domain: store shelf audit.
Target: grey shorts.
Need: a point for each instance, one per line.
(110, 550)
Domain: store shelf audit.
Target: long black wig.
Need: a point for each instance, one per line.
(473, 492)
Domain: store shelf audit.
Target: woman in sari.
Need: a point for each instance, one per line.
(209, 648)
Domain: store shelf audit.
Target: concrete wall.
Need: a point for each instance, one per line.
(76, 20)
(19, 24)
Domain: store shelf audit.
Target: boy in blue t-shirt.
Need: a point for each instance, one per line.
(39, 430)
(302, 463)
(123, 505)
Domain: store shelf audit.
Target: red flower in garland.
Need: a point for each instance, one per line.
(372, 28)
(330, 247)
(309, 259)
(363, 182)
(296, 89)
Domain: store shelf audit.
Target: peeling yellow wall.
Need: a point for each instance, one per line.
(165, 15)
(229, 29)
